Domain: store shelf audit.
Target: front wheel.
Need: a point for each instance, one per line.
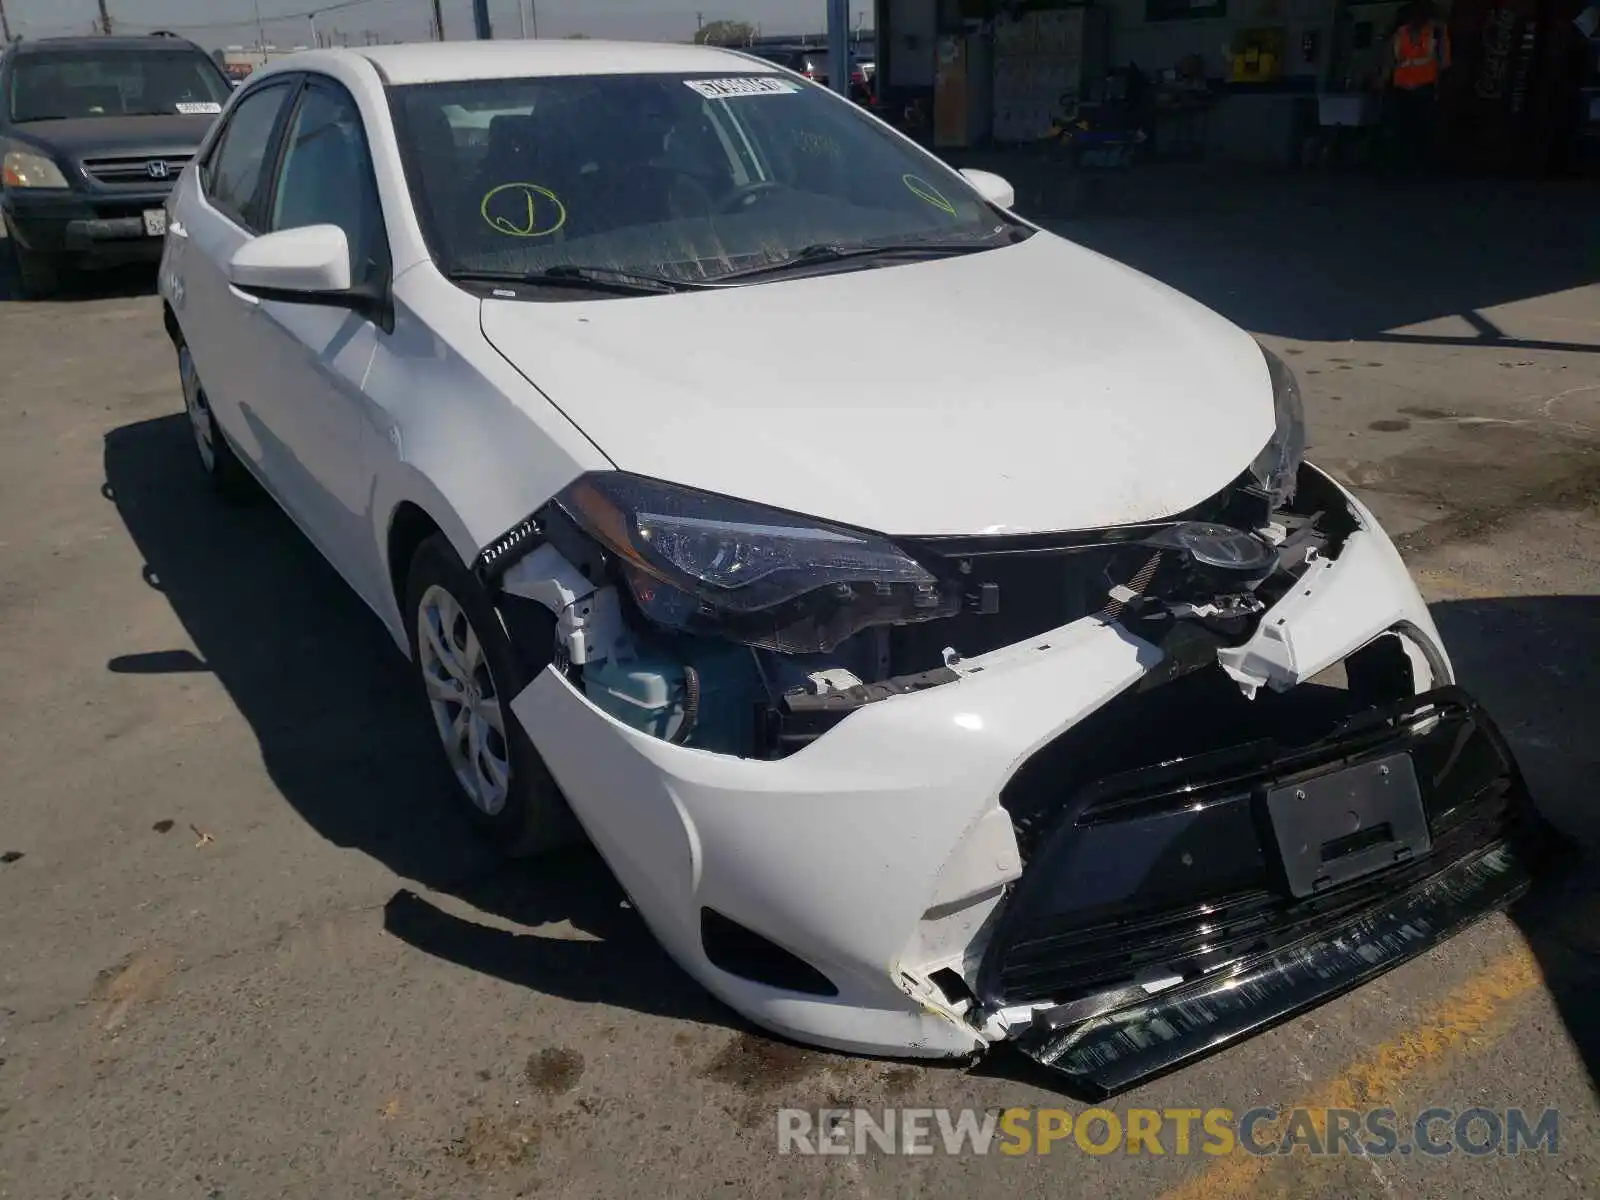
(468, 675)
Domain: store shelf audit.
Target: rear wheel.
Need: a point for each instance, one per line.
(468, 675)
(227, 474)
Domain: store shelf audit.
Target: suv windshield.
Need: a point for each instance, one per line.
(114, 83)
(678, 178)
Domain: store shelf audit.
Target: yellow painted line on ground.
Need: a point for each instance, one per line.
(1469, 1012)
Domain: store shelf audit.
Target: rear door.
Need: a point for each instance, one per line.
(211, 219)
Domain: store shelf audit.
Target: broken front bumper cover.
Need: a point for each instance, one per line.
(1262, 953)
(853, 893)
(1119, 1049)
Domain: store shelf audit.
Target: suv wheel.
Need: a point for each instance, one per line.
(39, 275)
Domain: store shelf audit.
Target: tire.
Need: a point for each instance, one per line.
(499, 781)
(39, 276)
(228, 476)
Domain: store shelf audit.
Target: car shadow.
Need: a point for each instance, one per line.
(330, 700)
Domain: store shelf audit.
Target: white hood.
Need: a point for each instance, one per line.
(1038, 387)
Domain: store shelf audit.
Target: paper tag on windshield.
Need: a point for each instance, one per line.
(744, 85)
(199, 108)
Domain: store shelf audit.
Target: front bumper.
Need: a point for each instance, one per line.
(1161, 924)
(1113, 1052)
(84, 226)
(890, 858)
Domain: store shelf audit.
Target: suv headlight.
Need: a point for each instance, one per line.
(1277, 466)
(706, 564)
(29, 169)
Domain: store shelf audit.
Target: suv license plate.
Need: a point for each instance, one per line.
(155, 222)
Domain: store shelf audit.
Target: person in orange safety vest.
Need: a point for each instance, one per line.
(1419, 54)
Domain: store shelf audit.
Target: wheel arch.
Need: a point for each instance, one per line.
(409, 526)
(169, 321)
(407, 510)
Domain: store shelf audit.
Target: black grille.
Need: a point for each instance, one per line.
(1171, 870)
(127, 170)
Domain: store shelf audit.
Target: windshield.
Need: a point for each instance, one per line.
(125, 83)
(683, 178)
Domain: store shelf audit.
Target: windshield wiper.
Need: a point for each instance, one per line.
(826, 252)
(598, 279)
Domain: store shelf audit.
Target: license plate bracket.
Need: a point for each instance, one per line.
(1347, 823)
(155, 222)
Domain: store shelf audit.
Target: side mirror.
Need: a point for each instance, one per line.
(307, 266)
(991, 187)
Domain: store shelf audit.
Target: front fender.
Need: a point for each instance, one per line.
(452, 418)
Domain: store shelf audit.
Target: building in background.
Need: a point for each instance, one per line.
(1240, 80)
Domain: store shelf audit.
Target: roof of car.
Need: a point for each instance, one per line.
(440, 62)
(57, 44)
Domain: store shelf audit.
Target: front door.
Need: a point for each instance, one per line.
(317, 357)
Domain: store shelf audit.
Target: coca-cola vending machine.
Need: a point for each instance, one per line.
(1508, 102)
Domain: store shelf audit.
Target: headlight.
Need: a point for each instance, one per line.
(28, 169)
(1278, 464)
(701, 563)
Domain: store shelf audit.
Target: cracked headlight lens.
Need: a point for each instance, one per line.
(1277, 466)
(706, 564)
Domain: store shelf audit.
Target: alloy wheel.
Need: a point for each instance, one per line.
(465, 702)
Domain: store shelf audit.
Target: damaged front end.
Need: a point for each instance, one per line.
(1283, 794)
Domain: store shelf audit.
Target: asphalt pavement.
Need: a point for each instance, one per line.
(245, 951)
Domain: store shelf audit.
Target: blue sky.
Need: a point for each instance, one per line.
(204, 20)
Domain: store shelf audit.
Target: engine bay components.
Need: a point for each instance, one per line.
(730, 628)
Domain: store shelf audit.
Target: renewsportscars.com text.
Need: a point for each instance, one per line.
(1375, 1132)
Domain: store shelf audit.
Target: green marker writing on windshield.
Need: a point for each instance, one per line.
(529, 228)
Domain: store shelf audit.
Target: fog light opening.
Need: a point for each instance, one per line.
(740, 951)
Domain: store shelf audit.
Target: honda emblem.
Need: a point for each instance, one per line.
(157, 169)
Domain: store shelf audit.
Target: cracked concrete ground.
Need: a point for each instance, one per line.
(244, 951)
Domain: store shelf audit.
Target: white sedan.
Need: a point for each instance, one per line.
(1002, 675)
